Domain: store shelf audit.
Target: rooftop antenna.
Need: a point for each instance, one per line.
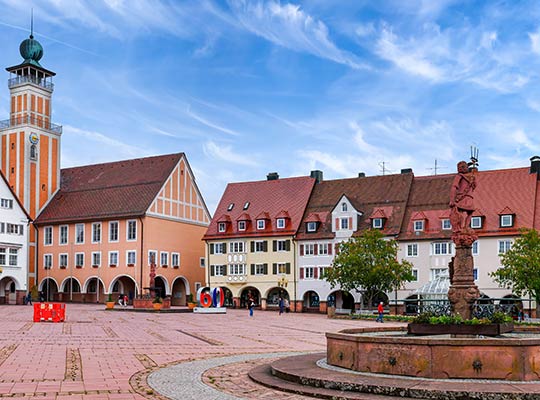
(436, 168)
(32, 23)
(384, 170)
(473, 164)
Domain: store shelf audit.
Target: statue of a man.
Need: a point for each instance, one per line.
(461, 198)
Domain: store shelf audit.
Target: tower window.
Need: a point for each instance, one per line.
(12, 145)
(33, 152)
(12, 170)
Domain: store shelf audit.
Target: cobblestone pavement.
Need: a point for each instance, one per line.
(98, 354)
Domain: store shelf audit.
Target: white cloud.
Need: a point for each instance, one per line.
(210, 124)
(287, 25)
(535, 42)
(226, 153)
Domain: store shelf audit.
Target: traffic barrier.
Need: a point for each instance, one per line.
(50, 312)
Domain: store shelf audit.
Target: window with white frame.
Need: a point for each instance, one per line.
(6, 203)
(96, 232)
(132, 230)
(261, 224)
(237, 247)
(280, 223)
(475, 248)
(131, 257)
(281, 245)
(309, 249)
(309, 272)
(220, 270)
(14, 229)
(412, 250)
(419, 225)
(504, 246)
(259, 269)
(344, 223)
(79, 260)
(47, 259)
(344, 207)
(79, 233)
(415, 275)
(175, 260)
(241, 225)
(113, 231)
(377, 223)
(281, 268)
(64, 233)
(475, 273)
(96, 259)
(62, 260)
(323, 249)
(48, 235)
(237, 269)
(202, 262)
(442, 248)
(311, 227)
(164, 259)
(476, 222)
(507, 220)
(219, 248)
(446, 225)
(152, 257)
(3, 257)
(259, 246)
(221, 227)
(113, 258)
(436, 272)
(13, 256)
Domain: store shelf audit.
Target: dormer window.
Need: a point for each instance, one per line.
(231, 206)
(377, 223)
(446, 225)
(261, 224)
(343, 206)
(221, 227)
(280, 223)
(246, 205)
(311, 227)
(241, 225)
(344, 223)
(419, 226)
(476, 222)
(506, 220)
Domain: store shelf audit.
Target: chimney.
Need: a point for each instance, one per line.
(272, 176)
(535, 166)
(317, 174)
(361, 174)
(406, 171)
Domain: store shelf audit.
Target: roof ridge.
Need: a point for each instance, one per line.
(110, 187)
(122, 161)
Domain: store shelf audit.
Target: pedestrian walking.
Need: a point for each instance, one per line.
(251, 305)
(281, 305)
(286, 305)
(125, 300)
(29, 298)
(380, 310)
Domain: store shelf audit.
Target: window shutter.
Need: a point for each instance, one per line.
(350, 223)
(316, 273)
(288, 268)
(22, 230)
(212, 270)
(265, 268)
(316, 249)
(301, 273)
(224, 270)
(252, 246)
(211, 248)
(252, 269)
(274, 268)
(329, 246)
(288, 245)
(301, 249)
(265, 246)
(337, 224)
(274, 245)
(224, 248)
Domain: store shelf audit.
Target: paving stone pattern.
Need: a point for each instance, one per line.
(98, 354)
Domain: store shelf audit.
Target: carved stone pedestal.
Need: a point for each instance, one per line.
(463, 292)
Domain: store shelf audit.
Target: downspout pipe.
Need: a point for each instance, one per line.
(142, 258)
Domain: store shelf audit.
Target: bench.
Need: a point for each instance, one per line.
(343, 311)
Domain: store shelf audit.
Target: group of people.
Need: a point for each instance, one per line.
(123, 300)
(283, 305)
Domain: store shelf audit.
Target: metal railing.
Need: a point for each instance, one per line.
(30, 120)
(483, 308)
(20, 79)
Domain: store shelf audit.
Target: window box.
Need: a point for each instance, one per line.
(112, 265)
(176, 266)
(459, 329)
(95, 266)
(62, 267)
(78, 266)
(131, 265)
(164, 266)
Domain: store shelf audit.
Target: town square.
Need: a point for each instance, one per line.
(250, 199)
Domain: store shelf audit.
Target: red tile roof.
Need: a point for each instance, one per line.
(512, 190)
(366, 194)
(267, 199)
(119, 189)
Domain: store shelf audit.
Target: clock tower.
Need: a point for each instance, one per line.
(29, 141)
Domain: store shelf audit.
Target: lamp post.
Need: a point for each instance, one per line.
(71, 274)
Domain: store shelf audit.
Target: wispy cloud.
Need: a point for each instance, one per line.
(226, 153)
(210, 124)
(287, 25)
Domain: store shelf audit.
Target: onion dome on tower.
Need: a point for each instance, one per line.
(31, 50)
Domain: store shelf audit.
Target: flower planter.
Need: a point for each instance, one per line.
(191, 306)
(459, 329)
(157, 306)
(109, 305)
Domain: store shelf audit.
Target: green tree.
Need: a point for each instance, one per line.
(368, 263)
(520, 271)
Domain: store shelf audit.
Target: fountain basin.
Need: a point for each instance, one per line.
(512, 356)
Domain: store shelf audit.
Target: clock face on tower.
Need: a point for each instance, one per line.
(33, 138)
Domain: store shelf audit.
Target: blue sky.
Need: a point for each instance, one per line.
(247, 87)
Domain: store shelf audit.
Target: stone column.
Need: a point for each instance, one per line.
(263, 303)
(322, 307)
(463, 292)
(298, 306)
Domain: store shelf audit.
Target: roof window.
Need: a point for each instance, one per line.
(246, 205)
(231, 206)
